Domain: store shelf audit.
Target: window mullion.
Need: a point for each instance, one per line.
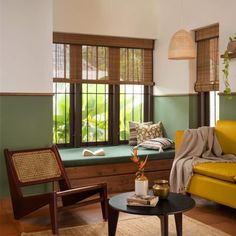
(114, 95)
(55, 131)
(110, 114)
(96, 94)
(76, 95)
(72, 119)
(77, 108)
(116, 115)
(148, 103)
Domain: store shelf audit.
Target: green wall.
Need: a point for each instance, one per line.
(26, 122)
(180, 111)
(176, 112)
(227, 108)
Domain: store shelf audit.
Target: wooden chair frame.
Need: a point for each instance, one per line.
(23, 205)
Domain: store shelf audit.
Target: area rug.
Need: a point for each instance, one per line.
(141, 226)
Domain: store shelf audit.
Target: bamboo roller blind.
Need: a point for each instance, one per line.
(207, 59)
(102, 59)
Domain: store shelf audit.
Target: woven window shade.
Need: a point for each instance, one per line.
(207, 59)
(75, 62)
(61, 61)
(95, 59)
(148, 65)
(207, 33)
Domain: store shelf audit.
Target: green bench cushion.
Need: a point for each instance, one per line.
(114, 154)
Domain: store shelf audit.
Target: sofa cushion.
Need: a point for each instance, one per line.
(113, 154)
(158, 143)
(225, 132)
(222, 171)
(178, 138)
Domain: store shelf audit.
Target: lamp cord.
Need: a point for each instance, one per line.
(181, 14)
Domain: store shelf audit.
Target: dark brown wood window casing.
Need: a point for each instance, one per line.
(106, 74)
(77, 41)
(207, 40)
(207, 59)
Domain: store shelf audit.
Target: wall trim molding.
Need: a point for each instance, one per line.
(176, 95)
(25, 94)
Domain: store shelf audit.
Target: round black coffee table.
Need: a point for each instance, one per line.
(175, 204)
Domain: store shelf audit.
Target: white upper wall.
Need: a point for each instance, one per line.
(26, 36)
(157, 19)
(176, 77)
(133, 18)
(26, 46)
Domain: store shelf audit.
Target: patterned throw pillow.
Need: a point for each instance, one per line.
(146, 132)
(133, 131)
(158, 144)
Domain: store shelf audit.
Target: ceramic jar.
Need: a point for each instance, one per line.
(161, 188)
(141, 185)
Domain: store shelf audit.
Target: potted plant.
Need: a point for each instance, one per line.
(231, 47)
(141, 181)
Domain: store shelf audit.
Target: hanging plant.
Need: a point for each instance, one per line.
(231, 47)
(227, 90)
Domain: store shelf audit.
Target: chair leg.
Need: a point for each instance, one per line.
(53, 213)
(104, 203)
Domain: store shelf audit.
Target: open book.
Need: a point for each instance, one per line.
(99, 152)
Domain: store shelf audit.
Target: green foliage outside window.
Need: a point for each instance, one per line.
(95, 114)
(61, 122)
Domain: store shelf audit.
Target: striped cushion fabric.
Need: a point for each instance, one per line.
(158, 143)
(133, 131)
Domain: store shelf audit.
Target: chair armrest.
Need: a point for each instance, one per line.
(79, 190)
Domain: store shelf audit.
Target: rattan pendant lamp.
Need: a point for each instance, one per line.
(181, 45)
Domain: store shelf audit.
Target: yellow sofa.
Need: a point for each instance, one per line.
(216, 181)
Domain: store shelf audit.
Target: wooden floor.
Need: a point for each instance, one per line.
(218, 216)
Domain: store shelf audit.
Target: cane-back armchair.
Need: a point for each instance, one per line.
(44, 165)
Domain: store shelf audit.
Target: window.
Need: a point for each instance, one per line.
(207, 73)
(61, 113)
(214, 108)
(95, 113)
(131, 107)
(100, 84)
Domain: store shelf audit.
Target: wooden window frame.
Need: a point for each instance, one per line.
(114, 43)
(203, 87)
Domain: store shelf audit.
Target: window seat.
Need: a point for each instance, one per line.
(72, 157)
(115, 168)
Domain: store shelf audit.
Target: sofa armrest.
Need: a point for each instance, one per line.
(225, 132)
(178, 137)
